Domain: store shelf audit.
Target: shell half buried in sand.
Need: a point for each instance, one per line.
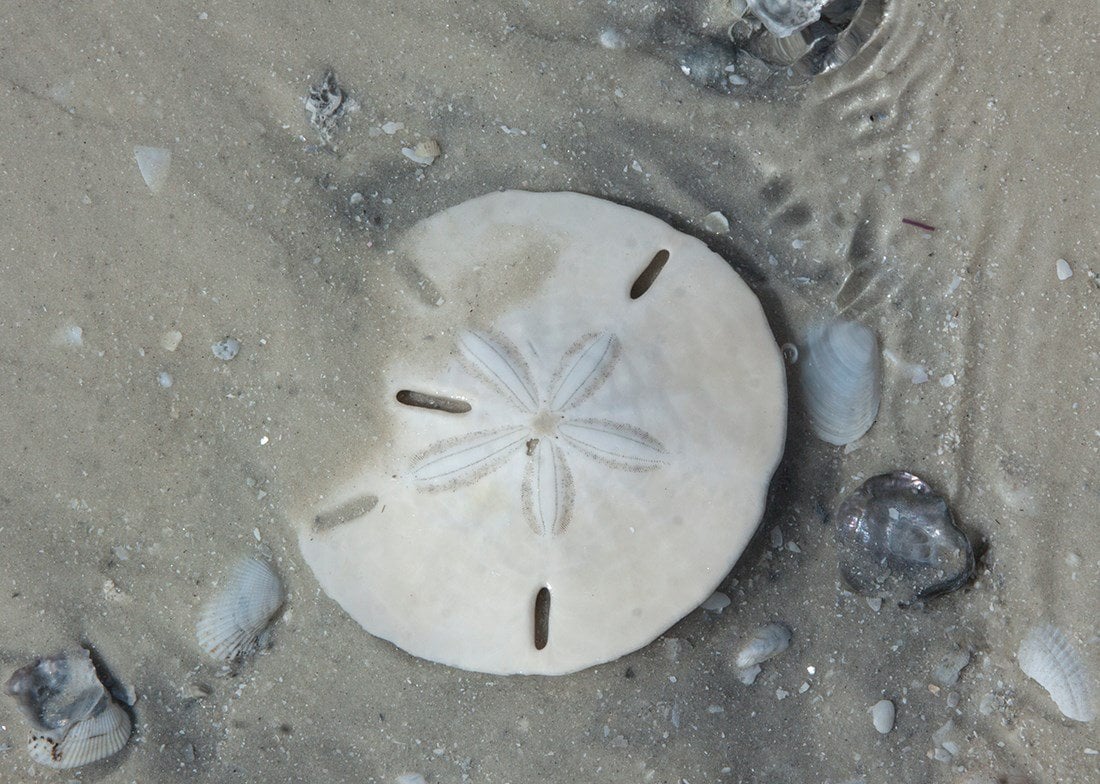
(1048, 657)
(73, 717)
(232, 624)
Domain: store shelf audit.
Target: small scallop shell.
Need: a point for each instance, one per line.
(766, 642)
(1046, 656)
(841, 381)
(233, 621)
(89, 740)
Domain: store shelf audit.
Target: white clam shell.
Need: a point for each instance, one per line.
(88, 740)
(1048, 657)
(766, 642)
(231, 624)
(841, 381)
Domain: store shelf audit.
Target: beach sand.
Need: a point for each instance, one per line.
(124, 500)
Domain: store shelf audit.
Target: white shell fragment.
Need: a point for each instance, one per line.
(1063, 269)
(785, 17)
(74, 719)
(232, 623)
(544, 497)
(841, 381)
(882, 716)
(153, 163)
(1048, 657)
(767, 641)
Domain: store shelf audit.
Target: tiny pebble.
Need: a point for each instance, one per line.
(782, 694)
(947, 381)
(882, 715)
(390, 128)
(717, 602)
(716, 223)
(1064, 270)
(226, 348)
(72, 335)
(164, 379)
(874, 602)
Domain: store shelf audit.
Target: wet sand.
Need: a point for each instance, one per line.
(123, 499)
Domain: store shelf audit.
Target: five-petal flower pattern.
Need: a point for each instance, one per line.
(545, 428)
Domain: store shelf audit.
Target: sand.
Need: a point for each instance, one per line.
(123, 500)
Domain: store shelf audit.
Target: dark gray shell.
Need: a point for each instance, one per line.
(896, 539)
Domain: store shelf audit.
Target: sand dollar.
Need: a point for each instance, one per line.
(580, 425)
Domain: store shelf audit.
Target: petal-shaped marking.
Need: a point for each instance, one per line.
(613, 443)
(498, 362)
(583, 370)
(547, 488)
(463, 460)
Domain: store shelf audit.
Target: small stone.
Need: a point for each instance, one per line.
(716, 223)
(1063, 269)
(226, 348)
(874, 602)
(717, 602)
(782, 694)
(948, 670)
(164, 379)
(882, 715)
(391, 127)
(947, 381)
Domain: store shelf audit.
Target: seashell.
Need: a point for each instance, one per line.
(896, 538)
(89, 740)
(74, 718)
(786, 17)
(841, 381)
(231, 624)
(1047, 657)
(766, 642)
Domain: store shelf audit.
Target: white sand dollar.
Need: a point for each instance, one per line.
(580, 427)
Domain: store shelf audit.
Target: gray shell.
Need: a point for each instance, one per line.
(841, 381)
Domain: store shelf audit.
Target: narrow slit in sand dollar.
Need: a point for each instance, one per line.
(542, 618)
(649, 275)
(450, 405)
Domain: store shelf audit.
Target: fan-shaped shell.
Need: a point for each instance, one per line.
(230, 625)
(841, 381)
(89, 740)
(766, 642)
(1048, 657)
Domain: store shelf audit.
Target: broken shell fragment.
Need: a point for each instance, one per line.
(767, 641)
(1049, 658)
(841, 381)
(424, 153)
(896, 538)
(233, 622)
(153, 163)
(75, 721)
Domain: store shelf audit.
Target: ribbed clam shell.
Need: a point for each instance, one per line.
(841, 381)
(1046, 656)
(232, 622)
(766, 642)
(89, 740)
